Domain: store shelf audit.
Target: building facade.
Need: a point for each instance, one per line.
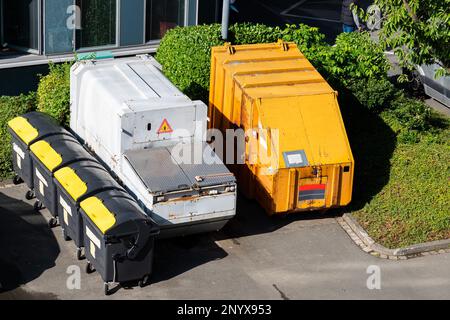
(55, 27)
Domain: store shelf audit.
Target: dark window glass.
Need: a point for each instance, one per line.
(162, 15)
(209, 11)
(21, 26)
(98, 23)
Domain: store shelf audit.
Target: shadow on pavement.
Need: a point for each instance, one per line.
(28, 247)
(178, 255)
(251, 219)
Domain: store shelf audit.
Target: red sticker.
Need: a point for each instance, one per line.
(312, 187)
(165, 127)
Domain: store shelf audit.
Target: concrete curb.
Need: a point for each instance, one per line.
(368, 245)
(6, 183)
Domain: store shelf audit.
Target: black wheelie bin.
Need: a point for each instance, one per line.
(26, 130)
(74, 183)
(119, 238)
(49, 155)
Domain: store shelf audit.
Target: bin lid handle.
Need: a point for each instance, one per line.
(140, 242)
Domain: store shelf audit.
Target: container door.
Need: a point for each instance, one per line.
(311, 192)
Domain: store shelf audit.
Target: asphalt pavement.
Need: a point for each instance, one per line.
(253, 257)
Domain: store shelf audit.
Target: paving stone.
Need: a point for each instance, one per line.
(374, 253)
(367, 249)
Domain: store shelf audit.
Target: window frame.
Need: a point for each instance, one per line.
(104, 47)
(40, 21)
(185, 20)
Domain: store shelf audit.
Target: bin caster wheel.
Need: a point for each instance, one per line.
(144, 281)
(89, 268)
(79, 254)
(29, 195)
(53, 222)
(106, 289)
(65, 236)
(17, 180)
(37, 206)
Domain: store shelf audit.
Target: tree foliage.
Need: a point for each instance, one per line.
(418, 31)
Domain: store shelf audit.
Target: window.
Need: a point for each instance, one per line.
(209, 11)
(98, 23)
(58, 37)
(21, 23)
(162, 15)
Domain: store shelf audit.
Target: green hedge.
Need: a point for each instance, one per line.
(355, 63)
(374, 94)
(11, 107)
(52, 97)
(247, 33)
(185, 52)
(355, 56)
(53, 93)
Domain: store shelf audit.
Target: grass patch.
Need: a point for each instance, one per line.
(402, 193)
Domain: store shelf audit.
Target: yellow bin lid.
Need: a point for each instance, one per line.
(71, 182)
(46, 154)
(98, 213)
(23, 129)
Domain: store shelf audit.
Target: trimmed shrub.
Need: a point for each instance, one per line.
(310, 42)
(374, 94)
(248, 33)
(412, 114)
(184, 54)
(53, 93)
(413, 121)
(355, 56)
(11, 107)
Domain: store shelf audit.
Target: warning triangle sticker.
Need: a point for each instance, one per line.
(165, 127)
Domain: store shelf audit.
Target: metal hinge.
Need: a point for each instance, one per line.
(284, 45)
(230, 48)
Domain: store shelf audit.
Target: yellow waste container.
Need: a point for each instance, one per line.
(297, 154)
